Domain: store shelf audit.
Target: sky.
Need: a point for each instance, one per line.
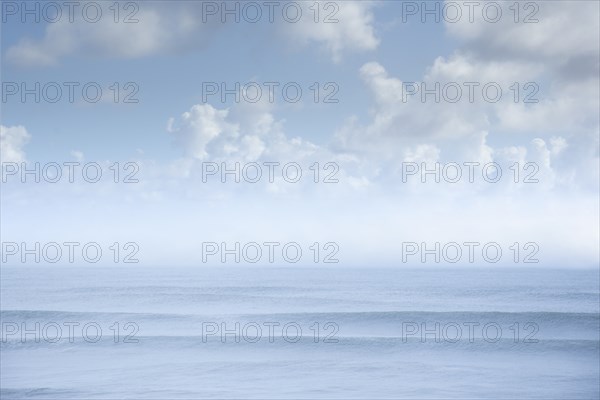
(376, 94)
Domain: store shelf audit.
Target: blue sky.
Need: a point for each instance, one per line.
(370, 53)
(226, 57)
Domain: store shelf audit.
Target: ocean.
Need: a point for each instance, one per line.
(301, 333)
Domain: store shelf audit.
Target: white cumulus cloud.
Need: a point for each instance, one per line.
(12, 141)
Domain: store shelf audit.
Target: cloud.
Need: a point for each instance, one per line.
(12, 141)
(167, 28)
(161, 28)
(464, 67)
(245, 133)
(399, 122)
(350, 28)
(558, 132)
(199, 126)
(565, 38)
(78, 155)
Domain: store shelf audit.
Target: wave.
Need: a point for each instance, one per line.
(390, 317)
(317, 316)
(308, 342)
(387, 324)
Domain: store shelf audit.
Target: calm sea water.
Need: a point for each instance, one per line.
(299, 333)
